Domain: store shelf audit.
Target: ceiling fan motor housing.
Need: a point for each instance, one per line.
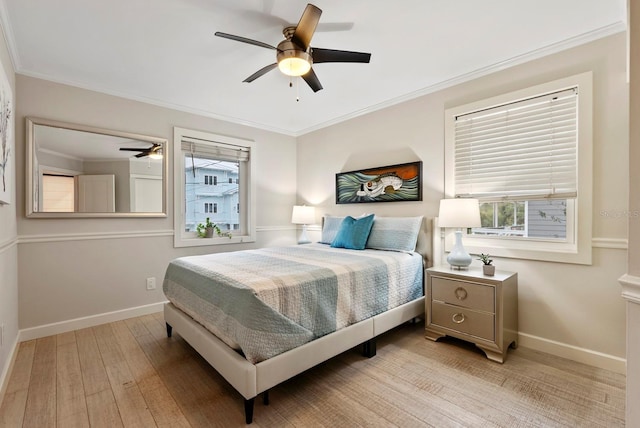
(293, 60)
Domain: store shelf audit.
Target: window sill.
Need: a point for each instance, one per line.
(541, 251)
(179, 242)
(559, 252)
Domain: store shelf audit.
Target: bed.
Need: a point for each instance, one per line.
(260, 317)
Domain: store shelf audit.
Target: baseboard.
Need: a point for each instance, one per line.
(574, 353)
(84, 322)
(6, 372)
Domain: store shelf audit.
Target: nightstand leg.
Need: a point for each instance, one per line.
(496, 356)
(433, 335)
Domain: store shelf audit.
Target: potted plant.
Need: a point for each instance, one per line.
(206, 229)
(487, 268)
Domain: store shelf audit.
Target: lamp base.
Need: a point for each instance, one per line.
(303, 236)
(458, 258)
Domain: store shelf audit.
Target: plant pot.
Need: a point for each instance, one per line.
(488, 270)
(208, 232)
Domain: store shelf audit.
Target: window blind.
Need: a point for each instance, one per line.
(522, 150)
(217, 150)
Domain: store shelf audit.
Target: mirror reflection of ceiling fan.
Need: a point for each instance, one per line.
(154, 152)
(295, 56)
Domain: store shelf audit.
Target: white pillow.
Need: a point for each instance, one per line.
(330, 226)
(394, 233)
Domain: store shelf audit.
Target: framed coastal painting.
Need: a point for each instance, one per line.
(393, 183)
(7, 144)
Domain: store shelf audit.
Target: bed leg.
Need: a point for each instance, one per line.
(369, 348)
(169, 329)
(248, 410)
(265, 398)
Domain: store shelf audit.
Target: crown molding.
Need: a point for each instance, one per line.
(481, 72)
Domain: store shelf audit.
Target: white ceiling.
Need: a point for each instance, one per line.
(164, 51)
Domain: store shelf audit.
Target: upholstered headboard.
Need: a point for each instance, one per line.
(425, 245)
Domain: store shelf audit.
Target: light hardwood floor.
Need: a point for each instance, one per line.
(129, 374)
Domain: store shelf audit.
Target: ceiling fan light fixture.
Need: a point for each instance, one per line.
(294, 62)
(155, 155)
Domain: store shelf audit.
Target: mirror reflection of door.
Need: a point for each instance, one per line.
(96, 193)
(146, 194)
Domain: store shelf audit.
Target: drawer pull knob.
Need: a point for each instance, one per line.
(461, 293)
(458, 318)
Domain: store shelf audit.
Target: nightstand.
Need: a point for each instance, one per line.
(474, 307)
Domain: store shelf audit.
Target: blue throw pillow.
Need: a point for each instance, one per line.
(353, 233)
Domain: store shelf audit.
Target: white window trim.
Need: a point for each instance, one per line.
(574, 250)
(190, 239)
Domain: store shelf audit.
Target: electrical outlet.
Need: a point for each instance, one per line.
(151, 283)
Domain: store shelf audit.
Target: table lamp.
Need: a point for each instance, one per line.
(303, 215)
(459, 213)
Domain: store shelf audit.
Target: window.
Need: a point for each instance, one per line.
(58, 193)
(527, 157)
(198, 154)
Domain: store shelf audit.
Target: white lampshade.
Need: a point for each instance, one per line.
(303, 214)
(459, 212)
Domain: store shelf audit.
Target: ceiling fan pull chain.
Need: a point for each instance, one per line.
(297, 91)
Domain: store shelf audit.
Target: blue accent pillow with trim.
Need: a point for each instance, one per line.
(353, 233)
(395, 233)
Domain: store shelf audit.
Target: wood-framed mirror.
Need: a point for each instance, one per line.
(80, 171)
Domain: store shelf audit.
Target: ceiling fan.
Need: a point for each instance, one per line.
(154, 152)
(295, 56)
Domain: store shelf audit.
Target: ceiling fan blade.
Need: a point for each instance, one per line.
(143, 154)
(307, 26)
(331, 55)
(312, 80)
(244, 40)
(263, 70)
(128, 149)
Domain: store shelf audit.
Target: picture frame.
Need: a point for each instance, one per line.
(392, 183)
(7, 140)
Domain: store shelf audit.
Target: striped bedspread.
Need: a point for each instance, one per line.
(267, 301)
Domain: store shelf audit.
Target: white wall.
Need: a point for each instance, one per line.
(74, 268)
(8, 256)
(571, 310)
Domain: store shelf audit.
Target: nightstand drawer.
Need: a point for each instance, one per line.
(478, 324)
(465, 294)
